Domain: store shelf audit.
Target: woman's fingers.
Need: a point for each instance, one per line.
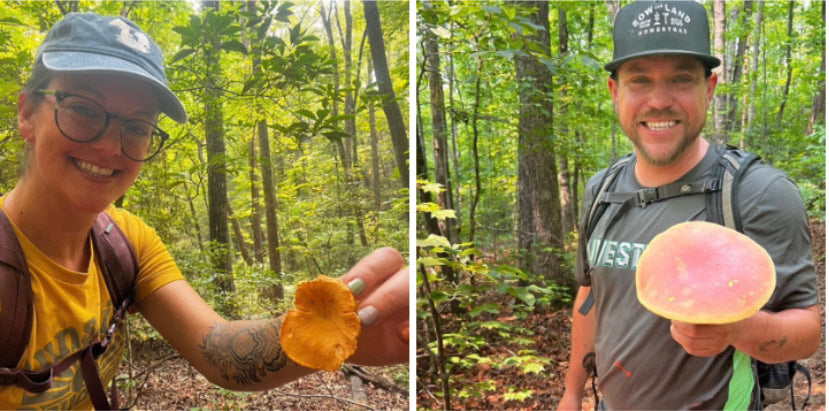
(373, 270)
(387, 299)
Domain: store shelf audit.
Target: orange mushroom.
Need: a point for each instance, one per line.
(322, 330)
(704, 273)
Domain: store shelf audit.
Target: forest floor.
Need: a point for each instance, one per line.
(163, 380)
(551, 335)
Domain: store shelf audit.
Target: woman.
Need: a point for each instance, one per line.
(88, 117)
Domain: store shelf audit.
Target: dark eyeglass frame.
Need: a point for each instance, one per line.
(62, 95)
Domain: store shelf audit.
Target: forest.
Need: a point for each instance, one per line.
(513, 117)
(292, 164)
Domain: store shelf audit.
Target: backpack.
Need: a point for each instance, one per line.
(721, 191)
(119, 268)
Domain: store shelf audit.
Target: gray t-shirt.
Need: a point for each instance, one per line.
(639, 365)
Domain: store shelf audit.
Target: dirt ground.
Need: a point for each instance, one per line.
(162, 380)
(817, 362)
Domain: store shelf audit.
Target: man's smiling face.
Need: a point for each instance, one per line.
(662, 101)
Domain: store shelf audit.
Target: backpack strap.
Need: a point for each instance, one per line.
(16, 298)
(600, 203)
(119, 267)
(731, 166)
(116, 258)
(795, 367)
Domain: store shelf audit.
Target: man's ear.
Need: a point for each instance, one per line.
(25, 117)
(613, 85)
(711, 85)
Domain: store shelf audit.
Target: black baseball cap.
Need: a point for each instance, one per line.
(90, 42)
(645, 28)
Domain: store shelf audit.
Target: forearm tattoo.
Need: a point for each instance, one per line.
(244, 351)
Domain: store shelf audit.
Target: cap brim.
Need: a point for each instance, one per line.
(88, 62)
(707, 60)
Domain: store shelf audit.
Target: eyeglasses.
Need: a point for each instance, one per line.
(83, 120)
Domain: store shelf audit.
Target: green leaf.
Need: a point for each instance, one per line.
(183, 54)
(492, 308)
(523, 295)
(506, 53)
(493, 9)
(442, 32)
(11, 21)
(234, 45)
(430, 262)
(439, 296)
(517, 396)
(434, 241)
(533, 367)
(433, 188)
(306, 113)
(444, 214)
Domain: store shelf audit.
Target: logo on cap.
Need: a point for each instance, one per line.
(130, 37)
(661, 18)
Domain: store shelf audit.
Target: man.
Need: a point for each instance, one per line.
(661, 84)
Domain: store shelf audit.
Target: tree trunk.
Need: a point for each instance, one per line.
(350, 123)
(613, 7)
(755, 70)
(568, 212)
(720, 105)
(476, 107)
(276, 291)
(255, 200)
(375, 155)
(819, 101)
(345, 146)
(253, 160)
(194, 218)
(240, 237)
(271, 221)
(539, 206)
(335, 98)
(351, 127)
(430, 224)
(737, 69)
(788, 64)
(394, 117)
(216, 162)
(439, 131)
(345, 161)
(453, 119)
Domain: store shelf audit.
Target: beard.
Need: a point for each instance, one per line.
(689, 136)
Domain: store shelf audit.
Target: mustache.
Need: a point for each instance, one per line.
(654, 113)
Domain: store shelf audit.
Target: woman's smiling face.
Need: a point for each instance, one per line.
(91, 175)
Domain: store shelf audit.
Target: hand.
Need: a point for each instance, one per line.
(383, 306)
(705, 340)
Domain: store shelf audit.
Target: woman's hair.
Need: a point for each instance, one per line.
(39, 79)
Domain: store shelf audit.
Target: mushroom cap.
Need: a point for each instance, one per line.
(704, 273)
(321, 331)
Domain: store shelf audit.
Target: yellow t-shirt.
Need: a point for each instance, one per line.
(72, 309)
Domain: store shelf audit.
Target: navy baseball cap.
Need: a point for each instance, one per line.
(90, 42)
(645, 28)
